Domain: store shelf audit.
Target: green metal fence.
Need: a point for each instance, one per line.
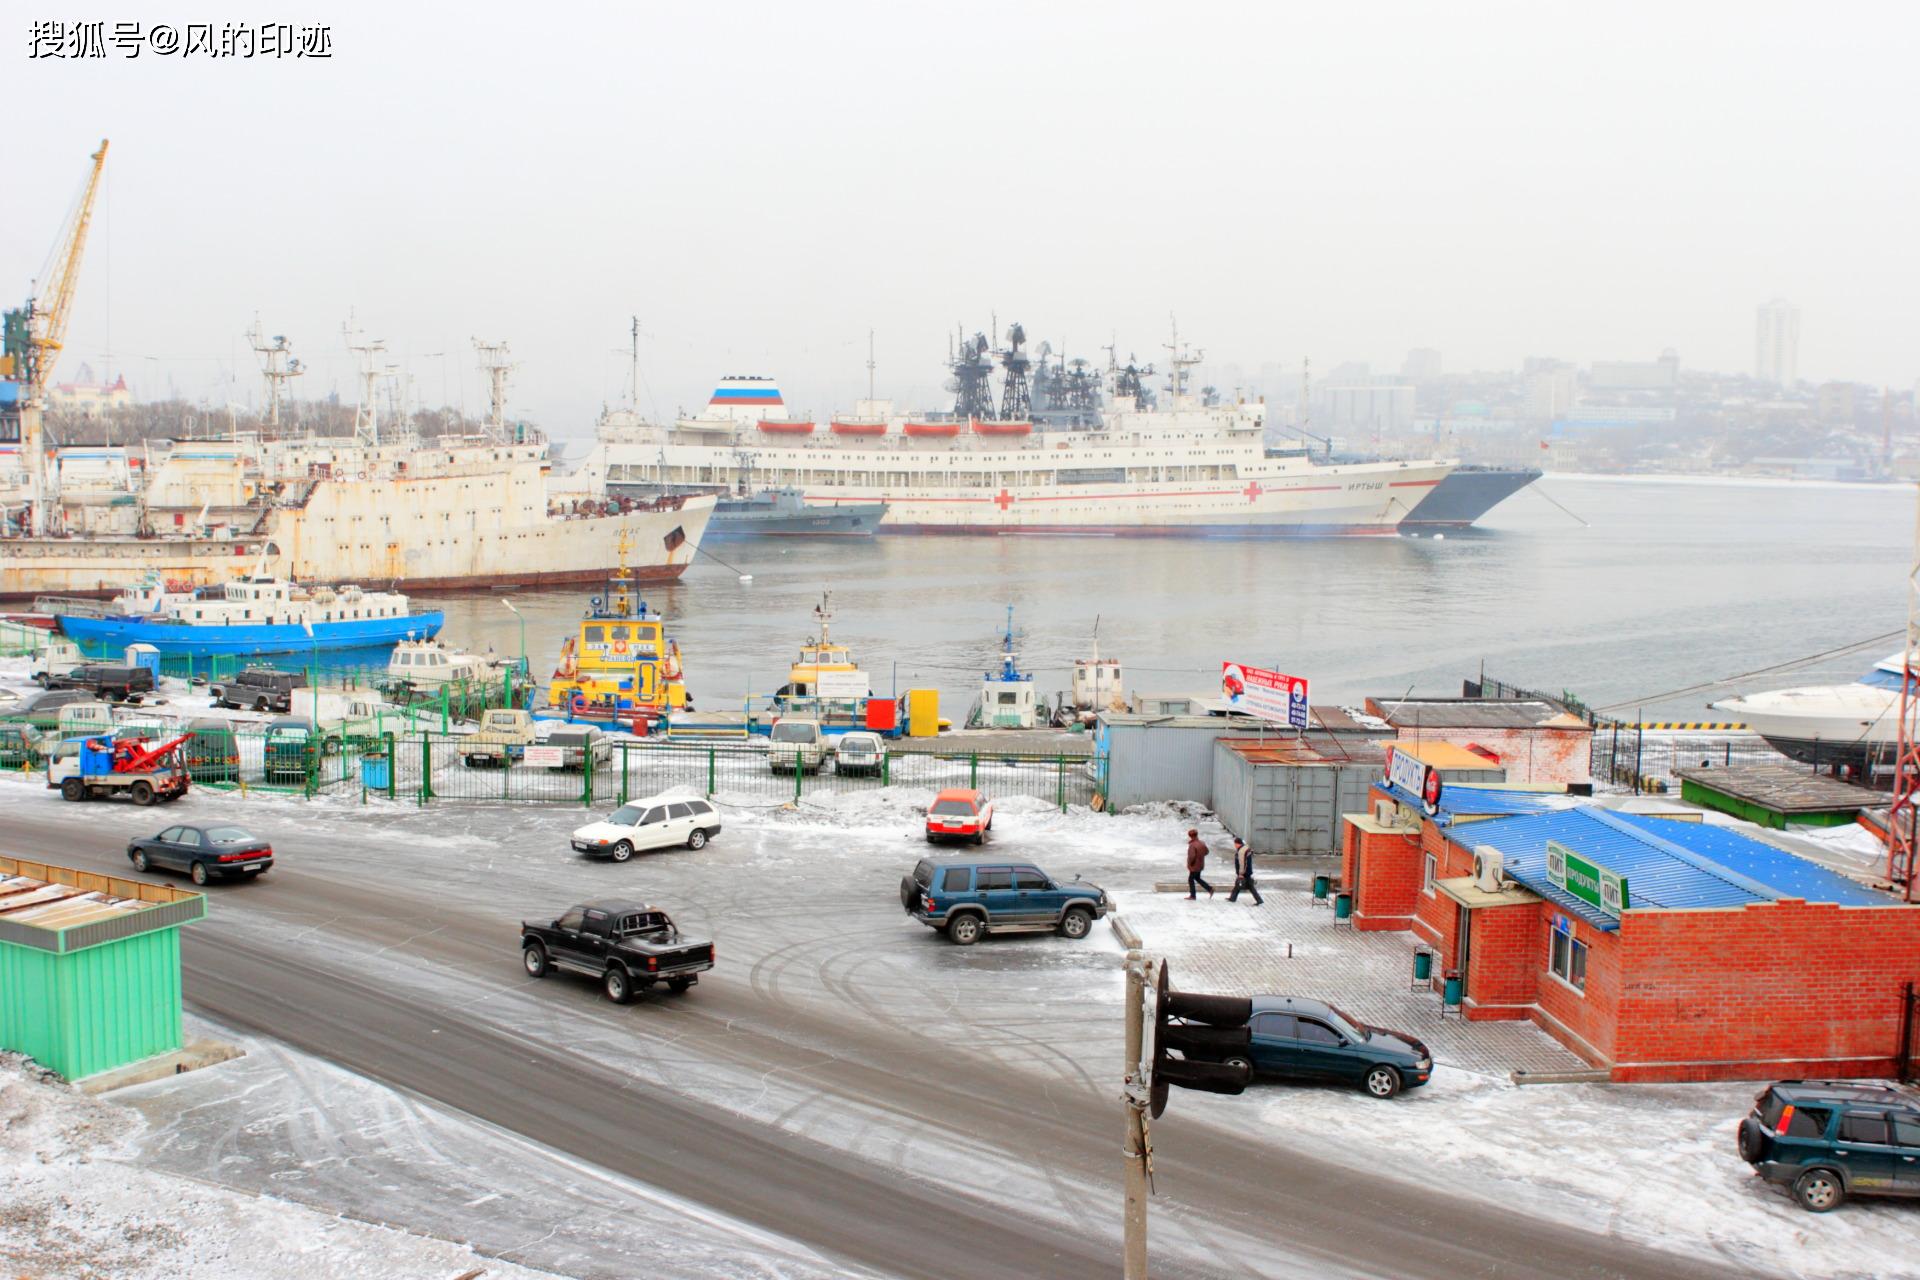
(440, 769)
(372, 761)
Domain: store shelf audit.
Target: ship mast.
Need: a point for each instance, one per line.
(278, 364)
(494, 363)
(1179, 362)
(366, 414)
(824, 612)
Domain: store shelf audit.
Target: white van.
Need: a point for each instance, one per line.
(59, 656)
(796, 743)
(80, 719)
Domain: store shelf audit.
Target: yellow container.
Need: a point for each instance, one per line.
(923, 713)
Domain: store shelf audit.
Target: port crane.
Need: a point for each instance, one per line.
(30, 341)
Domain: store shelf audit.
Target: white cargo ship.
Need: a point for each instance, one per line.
(1190, 468)
(419, 514)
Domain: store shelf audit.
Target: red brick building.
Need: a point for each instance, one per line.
(1535, 742)
(1657, 948)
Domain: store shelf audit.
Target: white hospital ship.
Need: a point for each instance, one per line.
(1188, 469)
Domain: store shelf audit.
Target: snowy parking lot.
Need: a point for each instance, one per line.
(803, 902)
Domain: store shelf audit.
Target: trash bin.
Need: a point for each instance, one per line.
(374, 772)
(1342, 905)
(1422, 966)
(1450, 993)
(1321, 885)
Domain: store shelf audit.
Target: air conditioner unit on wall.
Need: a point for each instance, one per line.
(1489, 869)
(1386, 812)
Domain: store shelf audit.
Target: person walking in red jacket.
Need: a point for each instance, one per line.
(1196, 863)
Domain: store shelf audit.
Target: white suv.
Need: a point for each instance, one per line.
(656, 823)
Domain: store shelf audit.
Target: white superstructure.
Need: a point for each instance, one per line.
(425, 514)
(1192, 469)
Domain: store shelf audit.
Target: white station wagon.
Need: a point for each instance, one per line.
(656, 823)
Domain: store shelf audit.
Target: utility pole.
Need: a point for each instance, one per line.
(1903, 840)
(633, 371)
(1135, 1095)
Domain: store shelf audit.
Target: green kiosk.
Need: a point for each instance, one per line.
(89, 966)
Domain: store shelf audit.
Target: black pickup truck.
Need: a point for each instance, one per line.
(628, 946)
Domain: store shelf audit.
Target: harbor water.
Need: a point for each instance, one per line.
(1666, 584)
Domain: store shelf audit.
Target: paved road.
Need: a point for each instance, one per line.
(1229, 1206)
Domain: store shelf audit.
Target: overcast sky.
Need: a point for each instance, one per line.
(763, 183)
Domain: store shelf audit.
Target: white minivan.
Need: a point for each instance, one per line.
(794, 744)
(656, 823)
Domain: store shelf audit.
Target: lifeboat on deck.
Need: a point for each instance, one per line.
(932, 428)
(1002, 428)
(858, 428)
(782, 427)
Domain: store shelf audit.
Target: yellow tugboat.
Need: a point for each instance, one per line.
(621, 667)
(823, 658)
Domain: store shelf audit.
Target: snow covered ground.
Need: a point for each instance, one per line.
(1648, 1163)
(79, 1202)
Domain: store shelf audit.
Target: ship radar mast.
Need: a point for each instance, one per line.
(824, 612)
(1016, 397)
(1179, 362)
(494, 363)
(277, 367)
(366, 414)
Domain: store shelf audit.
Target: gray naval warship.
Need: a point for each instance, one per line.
(785, 513)
(1467, 493)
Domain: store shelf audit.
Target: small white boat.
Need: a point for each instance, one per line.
(1836, 724)
(428, 662)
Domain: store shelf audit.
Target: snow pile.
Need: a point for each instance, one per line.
(72, 1205)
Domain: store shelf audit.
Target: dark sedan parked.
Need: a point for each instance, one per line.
(205, 853)
(1313, 1040)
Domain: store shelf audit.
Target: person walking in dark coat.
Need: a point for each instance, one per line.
(1196, 863)
(1243, 873)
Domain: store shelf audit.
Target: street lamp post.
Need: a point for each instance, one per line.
(525, 671)
(523, 627)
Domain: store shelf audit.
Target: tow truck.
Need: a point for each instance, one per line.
(82, 768)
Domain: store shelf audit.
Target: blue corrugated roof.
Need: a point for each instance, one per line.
(1666, 863)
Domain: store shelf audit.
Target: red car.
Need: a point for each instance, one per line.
(961, 813)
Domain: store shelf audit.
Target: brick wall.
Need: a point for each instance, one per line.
(1584, 1020)
(1390, 868)
(1504, 960)
(1434, 919)
(1764, 991)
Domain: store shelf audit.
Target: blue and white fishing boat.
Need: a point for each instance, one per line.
(258, 615)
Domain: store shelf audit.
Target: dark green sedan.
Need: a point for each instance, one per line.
(1312, 1040)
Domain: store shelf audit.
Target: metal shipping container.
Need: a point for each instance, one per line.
(1162, 757)
(1287, 797)
(93, 996)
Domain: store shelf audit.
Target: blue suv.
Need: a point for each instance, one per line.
(967, 897)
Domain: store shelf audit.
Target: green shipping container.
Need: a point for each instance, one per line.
(92, 997)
